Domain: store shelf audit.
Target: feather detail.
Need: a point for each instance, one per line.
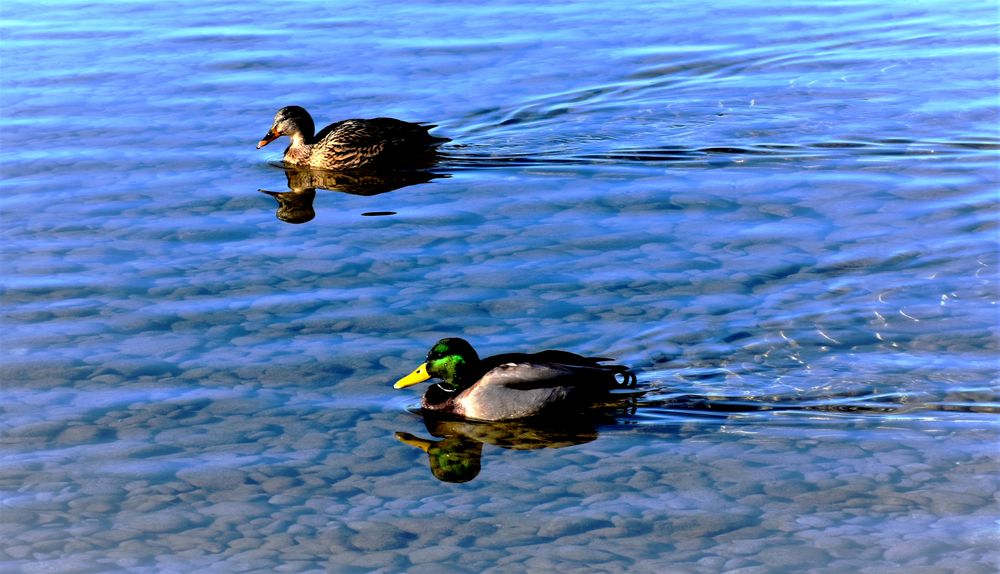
(515, 385)
(355, 143)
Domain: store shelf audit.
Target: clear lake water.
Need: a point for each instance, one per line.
(782, 217)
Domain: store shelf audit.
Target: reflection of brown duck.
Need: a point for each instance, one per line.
(456, 457)
(356, 182)
(512, 385)
(352, 144)
(296, 206)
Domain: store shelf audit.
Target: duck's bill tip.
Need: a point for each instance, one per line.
(411, 440)
(270, 137)
(418, 375)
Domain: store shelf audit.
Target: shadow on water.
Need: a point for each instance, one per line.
(455, 454)
(296, 205)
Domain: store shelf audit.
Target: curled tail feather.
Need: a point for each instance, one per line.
(629, 380)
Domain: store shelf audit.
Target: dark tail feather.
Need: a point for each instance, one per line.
(434, 140)
(629, 380)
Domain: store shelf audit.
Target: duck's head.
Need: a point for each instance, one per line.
(291, 121)
(452, 360)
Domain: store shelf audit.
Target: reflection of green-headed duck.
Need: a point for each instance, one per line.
(511, 385)
(352, 144)
(452, 459)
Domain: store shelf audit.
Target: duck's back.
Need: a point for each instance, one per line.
(357, 143)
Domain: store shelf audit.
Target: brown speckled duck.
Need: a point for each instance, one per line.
(352, 144)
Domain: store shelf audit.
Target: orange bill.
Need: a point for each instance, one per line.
(270, 137)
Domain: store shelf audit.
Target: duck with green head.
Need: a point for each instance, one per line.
(512, 385)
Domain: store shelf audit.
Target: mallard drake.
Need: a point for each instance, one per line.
(352, 144)
(511, 385)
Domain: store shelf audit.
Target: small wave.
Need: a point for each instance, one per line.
(682, 407)
(470, 157)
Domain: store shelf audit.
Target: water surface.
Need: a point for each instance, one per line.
(783, 218)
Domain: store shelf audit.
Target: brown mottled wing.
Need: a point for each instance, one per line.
(367, 133)
(375, 141)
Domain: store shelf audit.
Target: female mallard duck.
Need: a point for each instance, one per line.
(352, 144)
(511, 385)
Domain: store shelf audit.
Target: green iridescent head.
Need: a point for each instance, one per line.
(451, 360)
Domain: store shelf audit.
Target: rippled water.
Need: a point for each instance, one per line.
(784, 218)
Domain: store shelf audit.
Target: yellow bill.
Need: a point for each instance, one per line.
(409, 439)
(418, 375)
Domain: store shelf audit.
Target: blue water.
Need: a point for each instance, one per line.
(782, 217)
